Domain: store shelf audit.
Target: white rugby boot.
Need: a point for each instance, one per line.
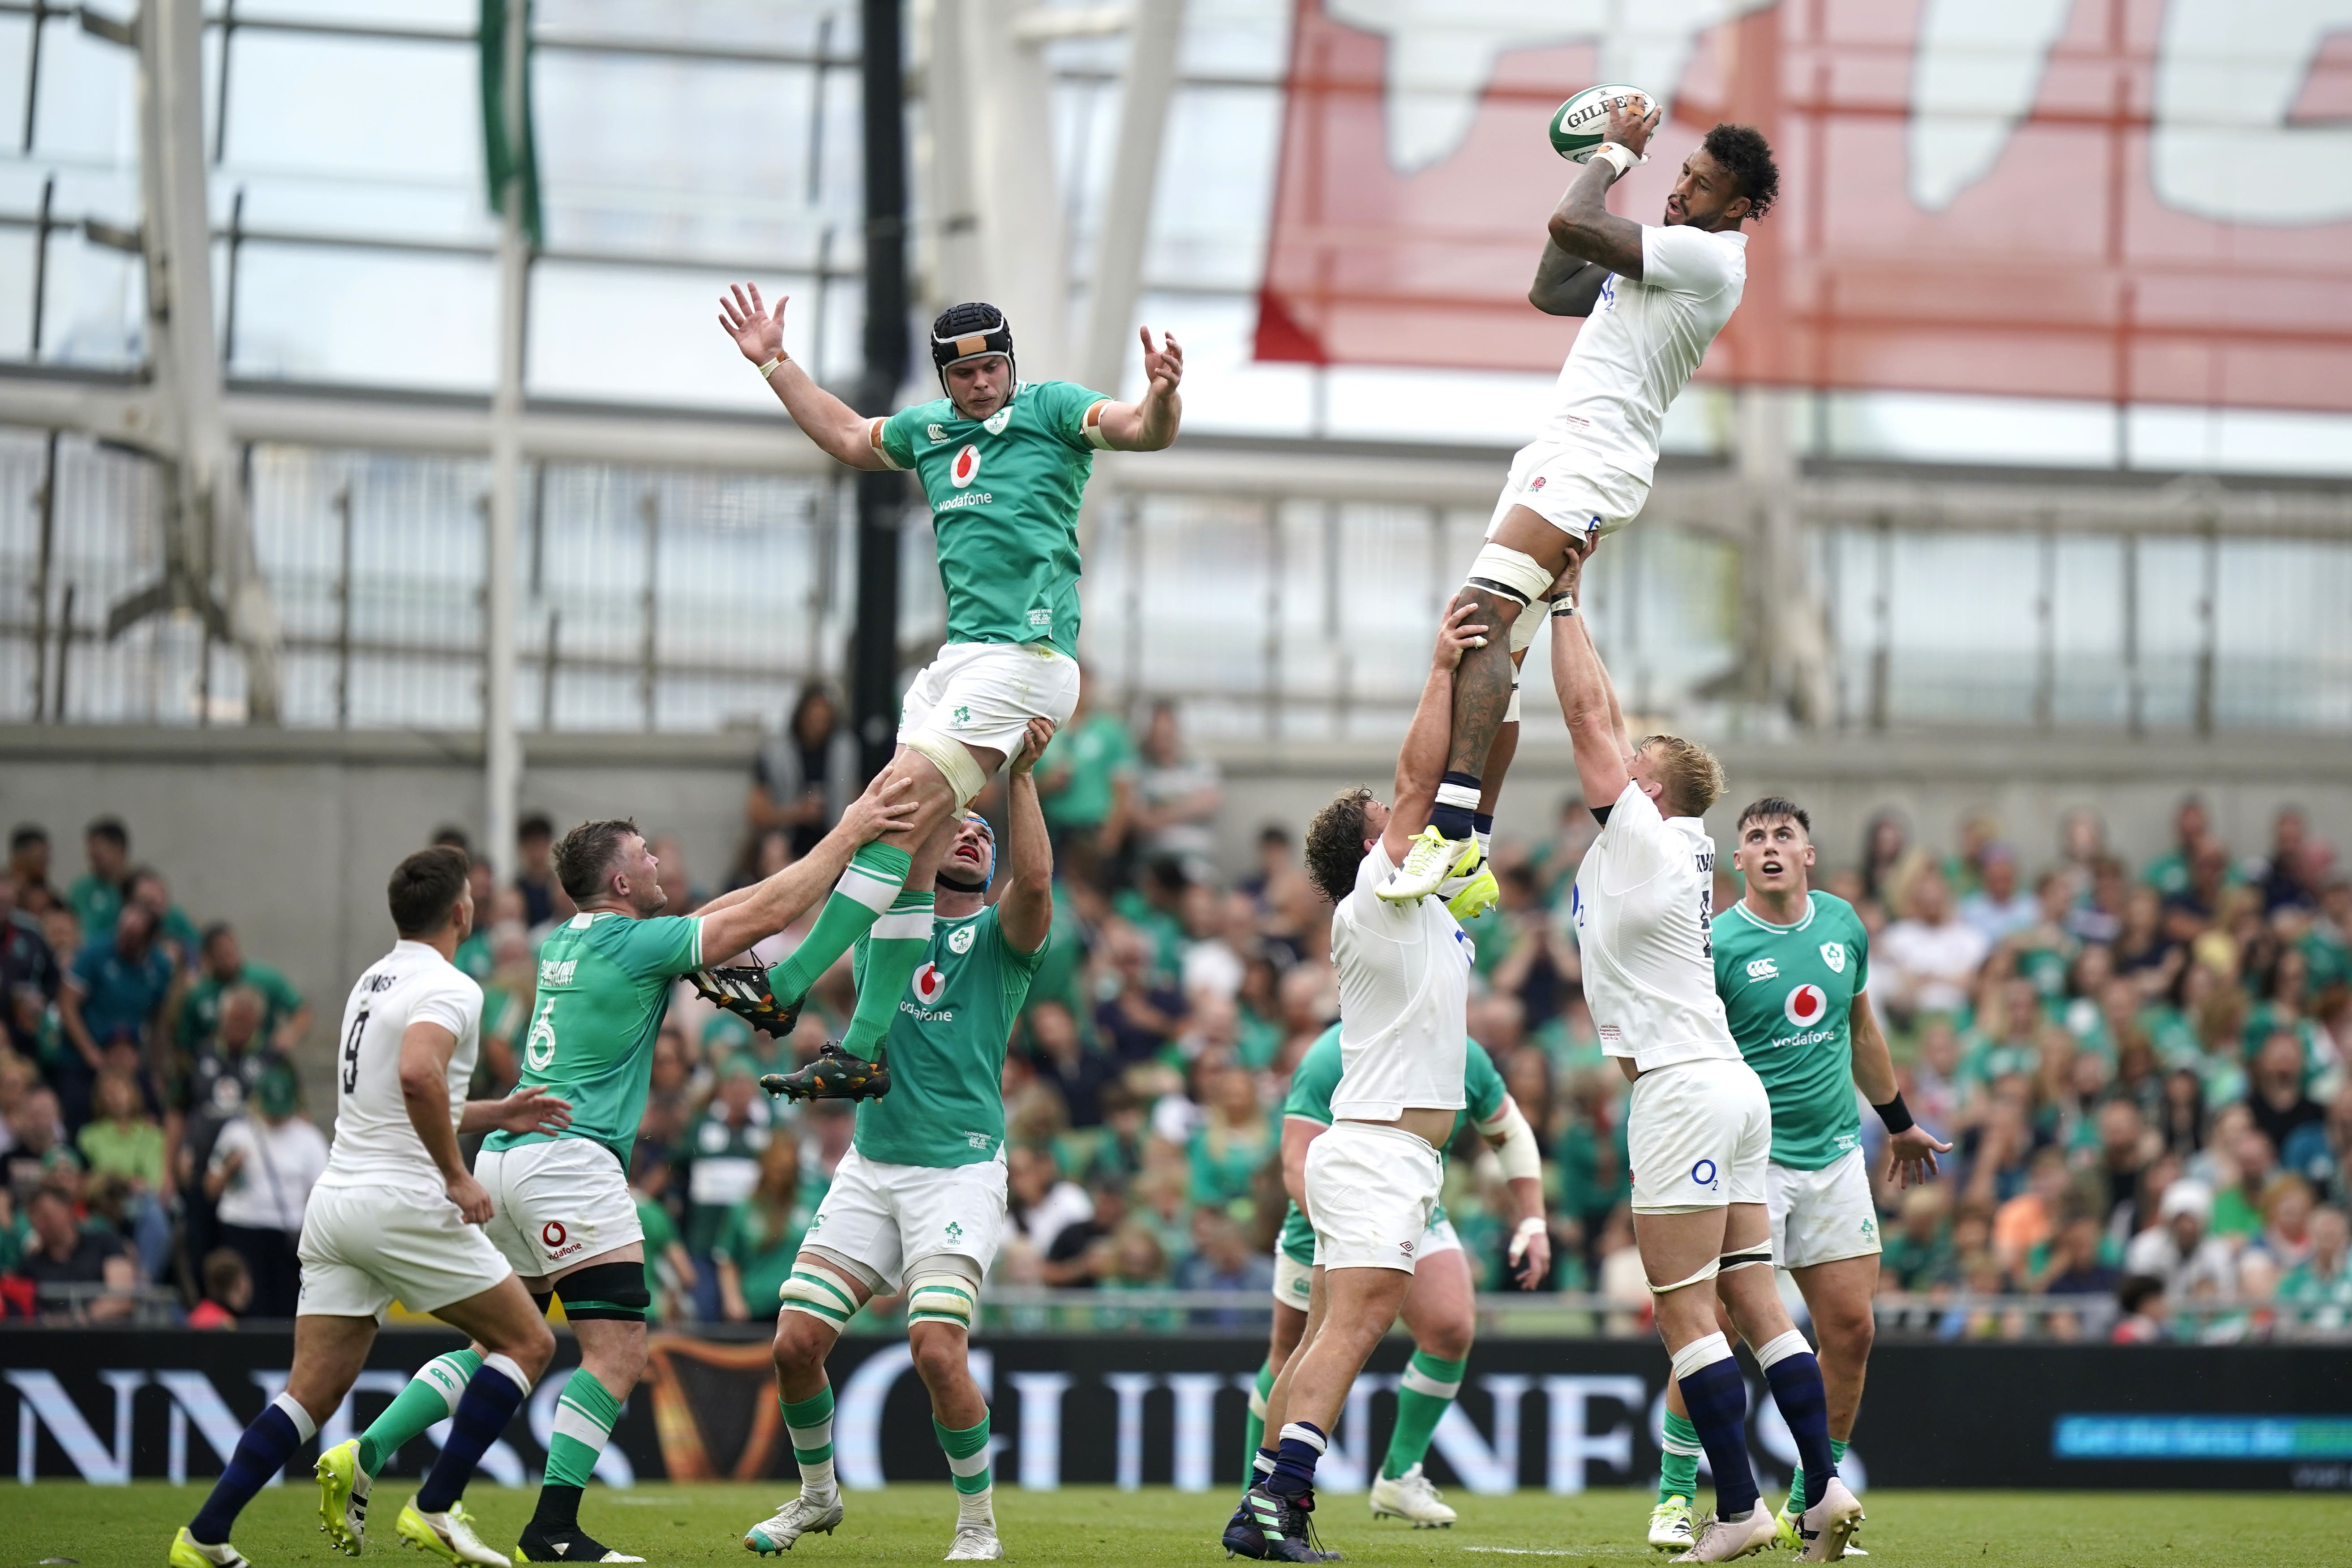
(1670, 1526)
(1432, 859)
(1720, 1541)
(1410, 1496)
(974, 1543)
(804, 1515)
(1829, 1525)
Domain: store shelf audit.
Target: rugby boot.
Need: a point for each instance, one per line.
(1285, 1532)
(745, 992)
(1410, 1496)
(834, 1075)
(804, 1515)
(187, 1552)
(1721, 1540)
(448, 1536)
(344, 1498)
(1467, 898)
(1670, 1525)
(542, 1545)
(1432, 859)
(1829, 1525)
(974, 1543)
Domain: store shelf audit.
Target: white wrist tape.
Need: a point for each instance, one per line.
(769, 368)
(1617, 156)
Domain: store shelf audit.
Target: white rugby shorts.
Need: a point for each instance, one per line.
(557, 1204)
(884, 1219)
(1370, 1191)
(1699, 1135)
(363, 1248)
(1293, 1280)
(1821, 1216)
(1570, 489)
(985, 693)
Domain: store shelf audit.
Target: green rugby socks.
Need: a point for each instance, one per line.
(1796, 1503)
(1678, 1461)
(1428, 1387)
(809, 1424)
(584, 1413)
(431, 1395)
(893, 952)
(1254, 1427)
(877, 874)
(967, 1454)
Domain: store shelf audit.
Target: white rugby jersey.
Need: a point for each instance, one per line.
(374, 1143)
(1643, 900)
(1642, 341)
(1404, 1000)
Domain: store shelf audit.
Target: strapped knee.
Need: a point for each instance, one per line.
(606, 1292)
(1514, 574)
(1746, 1257)
(941, 1295)
(953, 759)
(1705, 1272)
(819, 1295)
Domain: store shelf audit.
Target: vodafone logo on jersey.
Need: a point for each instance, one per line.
(928, 982)
(1805, 1005)
(965, 468)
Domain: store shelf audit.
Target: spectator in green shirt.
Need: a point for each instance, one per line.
(122, 1141)
(96, 896)
(2316, 1294)
(285, 1019)
(1235, 1139)
(762, 1235)
(1086, 780)
(174, 930)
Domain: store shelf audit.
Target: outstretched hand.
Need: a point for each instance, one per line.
(757, 331)
(1457, 636)
(1631, 124)
(1912, 1152)
(1163, 367)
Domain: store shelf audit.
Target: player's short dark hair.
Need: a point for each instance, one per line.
(424, 888)
(1747, 157)
(1768, 808)
(586, 855)
(1335, 843)
(25, 833)
(110, 828)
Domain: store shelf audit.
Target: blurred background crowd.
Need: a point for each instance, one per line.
(2138, 1063)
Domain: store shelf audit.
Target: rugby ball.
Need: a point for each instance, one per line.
(1578, 125)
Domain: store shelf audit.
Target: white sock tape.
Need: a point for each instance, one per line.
(1699, 1352)
(304, 1427)
(1780, 1347)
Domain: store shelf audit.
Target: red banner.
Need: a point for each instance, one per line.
(2126, 200)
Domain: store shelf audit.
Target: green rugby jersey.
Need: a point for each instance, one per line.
(1788, 992)
(604, 987)
(1317, 1074)
(946, 1048)
(1004, 494)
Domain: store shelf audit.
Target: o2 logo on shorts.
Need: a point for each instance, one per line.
(966, 466)
(552, 1233)
(1805, 1005)
(1704, 1174)
(928, 982)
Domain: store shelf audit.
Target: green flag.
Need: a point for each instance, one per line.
(500, 158)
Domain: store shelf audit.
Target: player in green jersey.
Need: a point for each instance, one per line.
(1004, 464)
(561, 1210)
(918, 1206)
(1792, 967)
(1440, 1309)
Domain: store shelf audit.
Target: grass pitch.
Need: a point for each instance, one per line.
(911, 1525)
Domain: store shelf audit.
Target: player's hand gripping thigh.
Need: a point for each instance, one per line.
(1674, 1247)
(504, 1320)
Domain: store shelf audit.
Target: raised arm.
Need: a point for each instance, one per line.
(1025, 911)
(1589, 705)
(839, 430)
(1421, 762)
(1151, 424)
(770, 906)
(1582, 226)
(1565, 285)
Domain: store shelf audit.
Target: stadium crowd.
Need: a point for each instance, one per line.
(2140, 1069)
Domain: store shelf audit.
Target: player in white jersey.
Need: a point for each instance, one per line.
(1373, 1178)
(397, 1216)
(1653, 295)
(1700, 1128)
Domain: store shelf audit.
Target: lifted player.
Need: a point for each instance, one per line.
(1655, 295)
(1373, 1176)
(564, 1218)
(1440, 1309)
(1004, 464)
(918, 1203)
(1792, 967)
(397, 1215)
